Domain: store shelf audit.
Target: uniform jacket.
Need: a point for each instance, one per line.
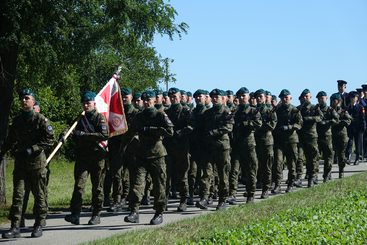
(330, 117)
(289, 116)
(311, 115)
(269, 119)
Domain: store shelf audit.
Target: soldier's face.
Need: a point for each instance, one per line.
(176, 98)
(230, 98)
(268, 99)
(149, 102)
(260, 99)
(307, 97)
(243, 98)
(127, 99)
(28, 102)
(342, 88)
(159, 99)
(364, 93)
(354, 99)
(208, 99)
(166, 100)
(184, 98)
(200, 99)
(322, 99)
(286, 99)
(335, 103)
(89, 106)
(217, 99)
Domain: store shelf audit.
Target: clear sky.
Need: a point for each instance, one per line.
(269, 44)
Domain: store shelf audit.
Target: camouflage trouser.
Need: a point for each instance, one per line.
(96, 169)
(233, 175)
(326, 149)
(301, 161)
(311, 153)
(37, 181)
(249, 164)
(156, 167)
(113, 179)
(221, 159)
(180, 163)
(340, 145)
(265, 154)
(192, 175)
(290, 151)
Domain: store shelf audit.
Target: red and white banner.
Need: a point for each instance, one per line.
(109, 103)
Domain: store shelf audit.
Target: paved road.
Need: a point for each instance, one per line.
(60, 232)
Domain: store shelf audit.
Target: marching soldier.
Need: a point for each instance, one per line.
(339, 132)
(152, 126)
(137, 101)
(30, 136)
(286, 139)
(89, 135)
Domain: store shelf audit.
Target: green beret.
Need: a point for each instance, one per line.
(283, 93)
(321, 93)
(353, 94)
(137, 96)
(189, 94)
(198, 92)
(217, 91)
(172, 91)
(267, 92)
(148, 94)
(126, 91)
(88, 96)
(364, 87)
(252, 95)
(25, 92)
(335, 96)
(206, 92)
(229, 92)
(273, 97)
(341, 82)
(158, 91)
(183, 92)
(304, 92)
(165, 93)
(242, 90)
(259, 91)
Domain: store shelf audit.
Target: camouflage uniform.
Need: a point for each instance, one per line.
(29, 137)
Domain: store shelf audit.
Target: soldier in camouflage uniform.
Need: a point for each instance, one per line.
(178, 145)
(166, 101)
(286, 140)
(218, 122)
(339, 132)
(137, 101)
(330, 117)
(152, 126)
(29, 137)
(247, 120)
(265, 142)
(311, 115)
(89, 135)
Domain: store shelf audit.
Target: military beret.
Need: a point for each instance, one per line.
(189, 94)
(206, 92)
(341, 82)
(165, 93)
(36, 103)
(304, 92)
(137, 96)
(183, 92)
(25, 92)
(283, 93)
(126, 91)
(229, 92)
(335, 96)
(252, 95)
(158, 91)
(267, 92)
(173, 91)
(88, 96)
(353, 94)
(274, 97)
(198, 92)
(217, 91)
(364, 86)
(242, 90)
(148, 94)
(259, 91)
(321, 93)
(359, 90)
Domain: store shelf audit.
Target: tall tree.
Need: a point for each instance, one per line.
(66, 46)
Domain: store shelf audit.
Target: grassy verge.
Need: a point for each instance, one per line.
(60, 188)
(231, 225)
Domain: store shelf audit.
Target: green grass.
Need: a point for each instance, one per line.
(345, 197)
(60, 188)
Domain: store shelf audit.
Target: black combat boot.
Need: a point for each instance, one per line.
(310, 182)
(133, 217)
(14, 232)
(37, 231)
(341, 174)
(182, 207)
(157, 219)
(289, 188)
(73, 218)
(250, 198)
(202, 204)
(264, 194)
(298, 183)
(221, 205)
(276, 189)
(232, 200)
(190, 200)
(95, 220)
(22, 222)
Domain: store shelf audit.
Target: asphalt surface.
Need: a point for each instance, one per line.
(58, 231)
